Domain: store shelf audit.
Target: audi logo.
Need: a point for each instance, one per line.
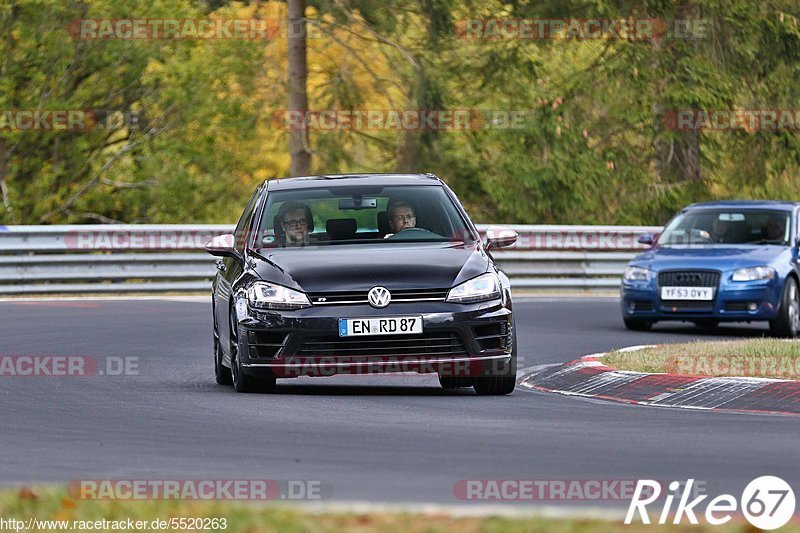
(379, 297)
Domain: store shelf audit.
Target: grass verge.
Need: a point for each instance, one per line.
(52, 504)
(766, 358)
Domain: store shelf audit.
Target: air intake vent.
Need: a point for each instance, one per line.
(431, 344)
(265, 344)
(689, 278)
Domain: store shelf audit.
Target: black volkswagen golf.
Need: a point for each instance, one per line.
(361, 274)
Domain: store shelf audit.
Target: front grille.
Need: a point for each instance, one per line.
(683, 306)
(642, 305)
(425, 344)
(265, 344)
(360, 297)
(736, 306)
(492, 336)
(689, 278)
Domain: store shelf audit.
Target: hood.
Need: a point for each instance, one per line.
(361, 267)
(713, 257)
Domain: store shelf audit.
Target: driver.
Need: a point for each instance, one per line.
(721, 231)
(401, 216)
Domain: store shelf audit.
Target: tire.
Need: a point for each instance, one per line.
(221, 373)
(499, 381)
(706, 323)
(452, 382)
(788, 322)
(638, 325)
(242, 381)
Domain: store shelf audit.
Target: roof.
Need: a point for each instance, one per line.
(746, 204)
(344, 180)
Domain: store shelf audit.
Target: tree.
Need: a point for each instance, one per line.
(593, 146)
(298, 96)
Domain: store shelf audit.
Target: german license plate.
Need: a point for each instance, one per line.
(687, 293)
(395, 325)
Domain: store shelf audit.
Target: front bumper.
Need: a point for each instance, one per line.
(733, 302)
(457, 340)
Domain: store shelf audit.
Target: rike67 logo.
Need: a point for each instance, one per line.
(767, 503)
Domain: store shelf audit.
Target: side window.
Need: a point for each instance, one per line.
(243, 227)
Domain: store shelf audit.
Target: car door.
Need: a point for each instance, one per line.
(229, 269)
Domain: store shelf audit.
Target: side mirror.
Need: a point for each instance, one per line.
(500, 237)
(222, 246)
(647, 238)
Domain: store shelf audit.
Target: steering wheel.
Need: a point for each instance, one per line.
(413, 233)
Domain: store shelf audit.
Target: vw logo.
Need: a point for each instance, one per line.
(379, 297)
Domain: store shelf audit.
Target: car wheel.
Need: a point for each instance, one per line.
(638, 325)
(706, 323)
(221, 372)
(452, 382)
(788, 322)
(503, 380)
(242, 381)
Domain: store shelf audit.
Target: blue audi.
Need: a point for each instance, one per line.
(727, 261)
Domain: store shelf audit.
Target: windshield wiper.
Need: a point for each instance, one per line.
(768, 241)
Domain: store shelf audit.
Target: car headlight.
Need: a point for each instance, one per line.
(754, 273)
(264, 295)
(484, 287)
(633, 273)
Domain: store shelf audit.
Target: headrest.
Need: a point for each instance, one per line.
(740, 230)
(341, 228)
(383, 222)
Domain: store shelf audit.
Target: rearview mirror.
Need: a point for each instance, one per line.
(500, 237)
(222, 246)
(358, 203)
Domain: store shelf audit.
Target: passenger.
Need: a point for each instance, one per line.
(775, 228)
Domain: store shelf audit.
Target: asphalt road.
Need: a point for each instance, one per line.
(380, 439)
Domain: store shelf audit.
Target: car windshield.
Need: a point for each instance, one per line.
(325, 216)
(720, 227)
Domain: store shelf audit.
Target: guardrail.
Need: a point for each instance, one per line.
(170, 258)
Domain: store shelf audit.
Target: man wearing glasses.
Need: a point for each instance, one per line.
(295, 220)
(401, 216)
